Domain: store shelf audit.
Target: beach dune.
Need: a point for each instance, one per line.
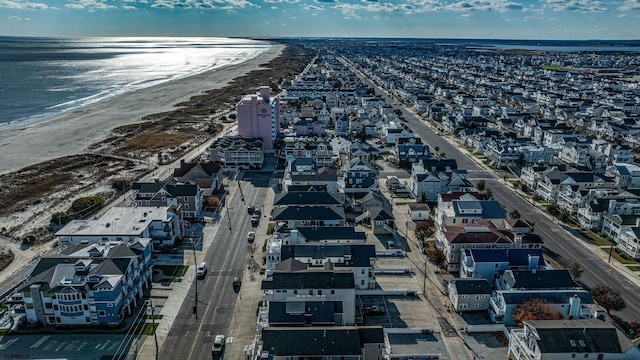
(72, 132)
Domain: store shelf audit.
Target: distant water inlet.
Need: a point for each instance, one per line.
(42, 77)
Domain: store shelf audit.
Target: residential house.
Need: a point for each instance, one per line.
(329, 181)
(572, 304)
(292, 282)
(612, 225)
(125, 224)
(462, 209)
(207, 175)
(469, 294)
(348, 342)
(491, 263)
(305, 215)
(88, 284)
(419, 212)
(189, 197)
(309, 127)
(536, 280)
(429, 184)
(236, 153)
(452, 240)
(628, 241)
(359, 176)
(570, 339)
(626, 176)
(360, 259)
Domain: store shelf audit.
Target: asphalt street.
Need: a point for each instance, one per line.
(191, 336)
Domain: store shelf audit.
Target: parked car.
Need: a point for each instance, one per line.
(218, 344)
(251, 209)
(257, 211)
(255, 219)
(202, 270)
(373, 310)
(251, 236)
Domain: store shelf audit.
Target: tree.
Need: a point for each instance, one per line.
(121, 184)
(575, 270)
(514, 214)
(608, 298)
(424, 230)
(213, 202)
(436, 256)
(536, 309)
(480, 185)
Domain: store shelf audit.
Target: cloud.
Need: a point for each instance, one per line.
(575, 5)
(282, 1)
(17, 18)
(90, 5)
(203, 4)
(484, 5)
(22, 5)
(630, 5)
(129, 7)
(314, 8)
(621, 16)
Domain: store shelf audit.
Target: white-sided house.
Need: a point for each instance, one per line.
(470, 294)
(419, 212)
(570, 339)
(491, 263)
(160, 224)
(629, 241)
(573, 304)
(360, 259)
(292, 282)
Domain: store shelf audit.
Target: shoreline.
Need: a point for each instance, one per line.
(71, 132)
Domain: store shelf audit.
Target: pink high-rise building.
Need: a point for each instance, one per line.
(259, 117)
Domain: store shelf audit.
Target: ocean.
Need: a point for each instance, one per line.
(43, 77)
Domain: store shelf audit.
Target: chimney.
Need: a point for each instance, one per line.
(293, 236)
(574, 307)
(612, 207)
(517, 240)
(533, 262)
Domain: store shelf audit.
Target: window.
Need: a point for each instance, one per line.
(29, 305)
(333, 292)
(102, 313)
(495, 266)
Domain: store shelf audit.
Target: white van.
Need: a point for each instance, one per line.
(202, 270)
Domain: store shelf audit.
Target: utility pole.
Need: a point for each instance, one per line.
(195, 259)
(610, 251)
(153, 320)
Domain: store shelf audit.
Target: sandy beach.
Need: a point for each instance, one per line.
(70, 133)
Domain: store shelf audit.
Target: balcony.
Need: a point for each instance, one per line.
(518, 345)
(497, 305)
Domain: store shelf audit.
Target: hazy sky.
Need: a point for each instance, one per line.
(511, 19)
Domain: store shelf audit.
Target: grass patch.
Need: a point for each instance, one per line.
(552, 67)
(154, 317)
(634, 268)
(176, 280)
(270, 228)
(5, 331)
(158, 297)
(172, 270)
(163, 288)
(157, 140)
(150, 329)
(594, 238)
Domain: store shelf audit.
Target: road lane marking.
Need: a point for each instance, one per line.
(39, 342)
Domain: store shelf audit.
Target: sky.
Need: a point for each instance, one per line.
(497, 19)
